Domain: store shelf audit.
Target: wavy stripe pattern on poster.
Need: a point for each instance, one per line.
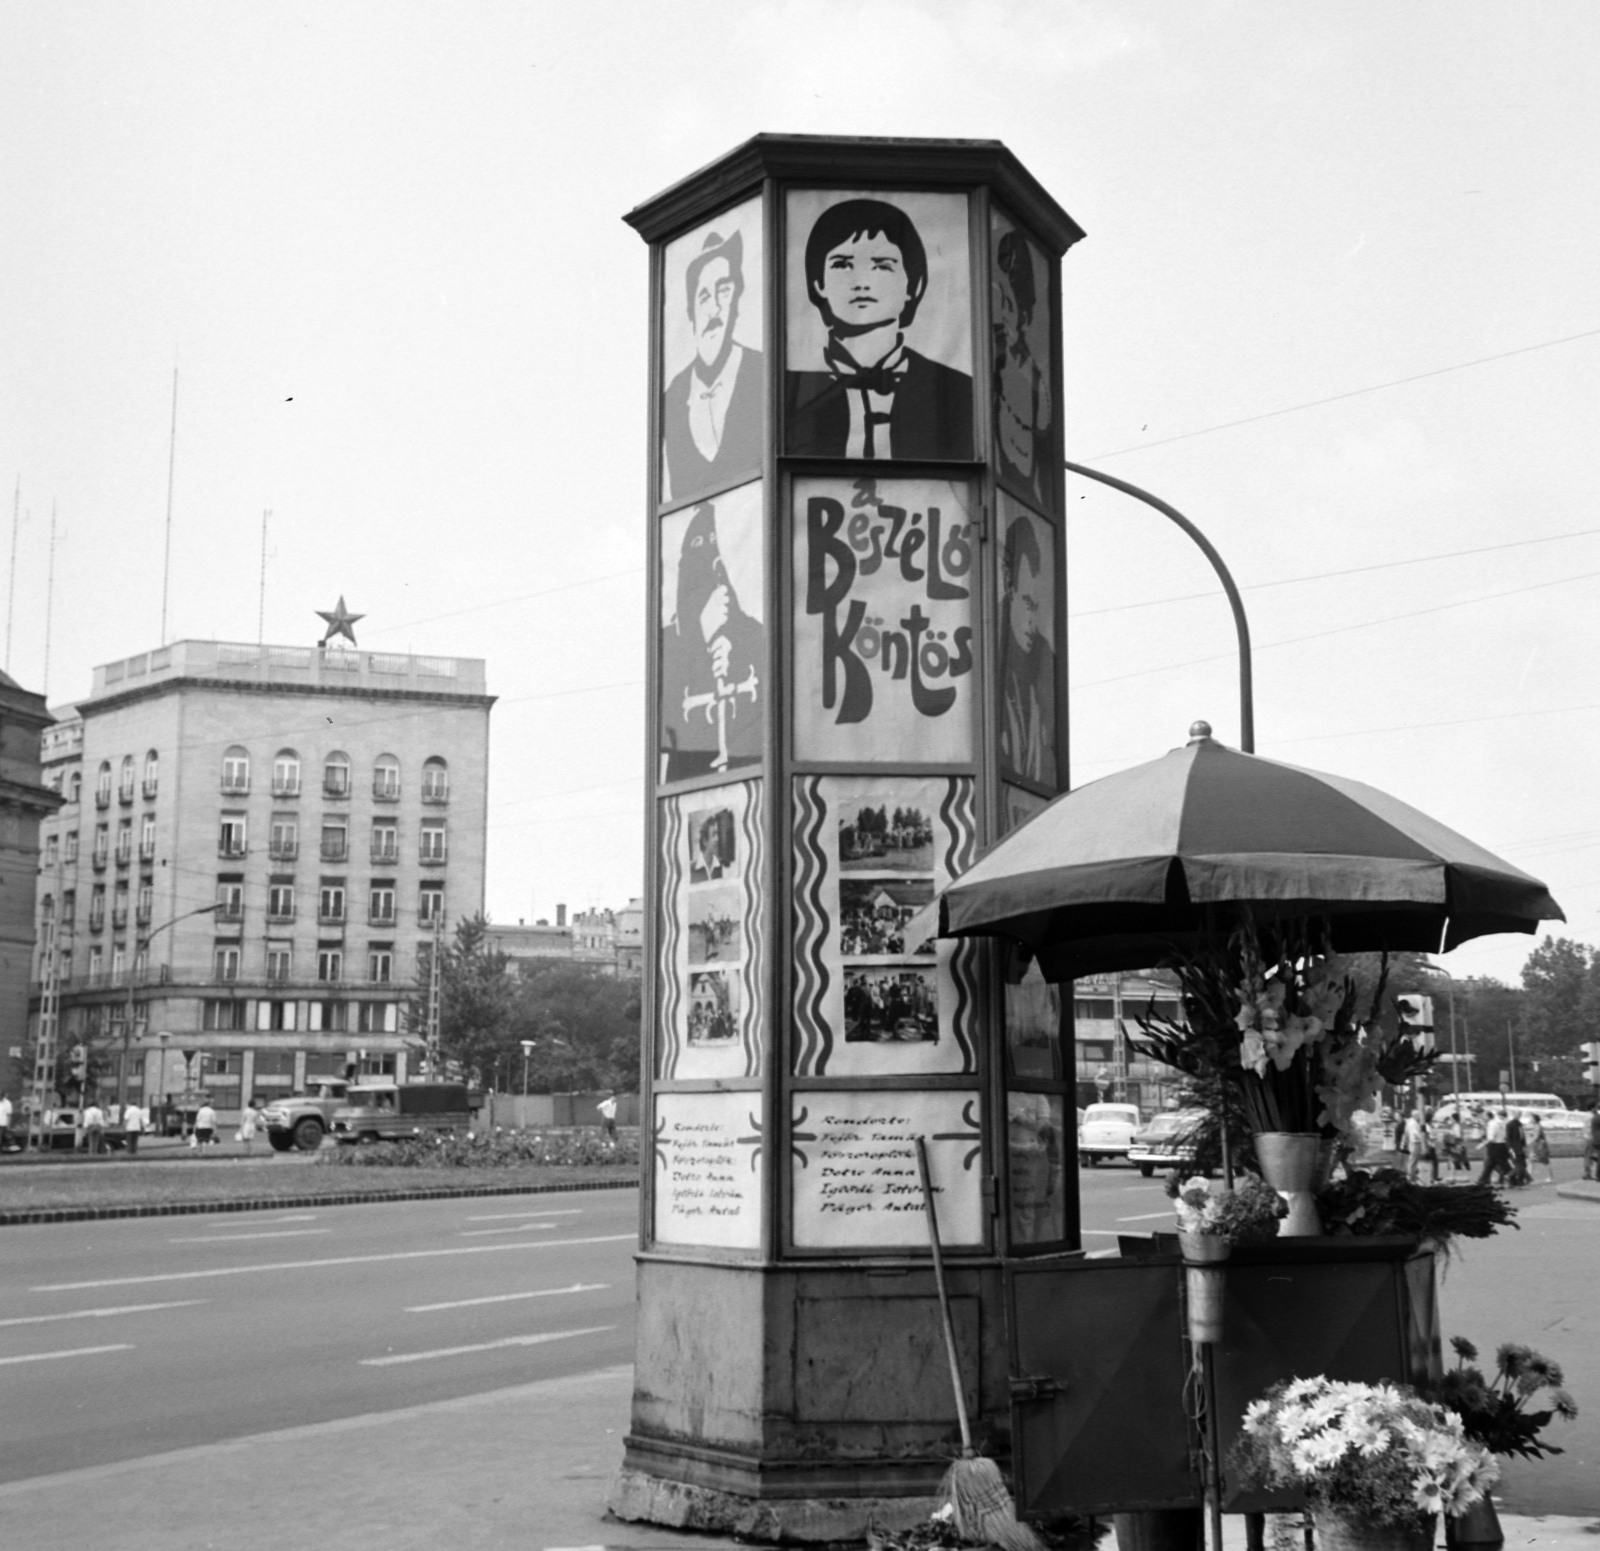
(752, 846)
(669, 1003)
(813, 1036)
(960, 826)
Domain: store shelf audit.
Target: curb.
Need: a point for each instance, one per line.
(52, 1214)
(1580, 1190)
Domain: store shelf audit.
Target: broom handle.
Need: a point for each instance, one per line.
(944, 1296)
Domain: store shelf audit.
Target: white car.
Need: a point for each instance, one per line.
(1107, 1131)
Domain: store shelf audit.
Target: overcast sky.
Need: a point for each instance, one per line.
(1337, 303)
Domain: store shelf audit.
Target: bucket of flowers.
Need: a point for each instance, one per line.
(1376, 1462)
(1211, 1220)
(1505, 1415)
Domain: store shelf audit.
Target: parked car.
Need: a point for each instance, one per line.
(302, 1119)
(394, 1112)
(1165, 1142)
(1107, 1132)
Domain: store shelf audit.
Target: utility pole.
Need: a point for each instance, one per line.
(433, 1003)
(1511, 1054)
(44, 1050)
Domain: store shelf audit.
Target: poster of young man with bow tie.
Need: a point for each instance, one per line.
(879, 326)
(711, 407)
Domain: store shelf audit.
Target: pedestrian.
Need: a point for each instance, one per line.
(608, 1113)
(1517, 1145)
(94, 1129)
(205, 1125)
(1419, 1145)
(1538, 1147)
(1455, 1145)
(1591, 1151)
(133, 1124)
(249, 1123)
(5, 1122)
(1496, 1155)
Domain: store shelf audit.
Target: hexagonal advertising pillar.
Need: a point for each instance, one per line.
(856, 649)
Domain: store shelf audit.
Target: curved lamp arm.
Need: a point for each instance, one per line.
(1247, 713)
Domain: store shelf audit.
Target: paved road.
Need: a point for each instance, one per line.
(129, 1337)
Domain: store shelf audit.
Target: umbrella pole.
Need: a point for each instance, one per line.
(1227, 1150)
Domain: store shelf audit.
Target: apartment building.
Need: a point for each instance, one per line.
(255, 849)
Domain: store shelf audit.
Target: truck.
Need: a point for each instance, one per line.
(302, 1119)
(394, 1112)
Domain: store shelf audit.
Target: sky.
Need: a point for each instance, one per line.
(1337, 303)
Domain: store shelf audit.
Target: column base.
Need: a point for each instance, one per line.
(638, 1497)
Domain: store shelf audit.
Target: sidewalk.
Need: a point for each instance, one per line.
(1580, 1190)
(525, 1468)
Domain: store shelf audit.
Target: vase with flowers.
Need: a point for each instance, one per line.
(1376, 1462)
(1211, 1220)
(1274, 1014)
(1505, 1414)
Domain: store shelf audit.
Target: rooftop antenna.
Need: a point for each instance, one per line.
(11, 591)
(261, 602)
(49, 598)
(172, 458)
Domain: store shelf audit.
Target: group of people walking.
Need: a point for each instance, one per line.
(1513, 1145)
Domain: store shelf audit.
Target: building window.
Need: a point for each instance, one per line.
(102, 786)
(119, 906)
(47, 908)
(379, 1018)
(431, 841)
(280, 901)
(230, 900)
(124, 842)
(125, 780)
(335, 842)
(286, 774)
(147, 838)
(119, 963)
(97, 908)
(141, 964)
(279, 961)
(273, 1017)
(231, 837)
(430, 903)
(145, 905)
(325, 1018)
(435, 781)
(284, 843)
(69, 906)
(386, 778)
(377, 1064)
(227, 1016)
(236, 770)
(102, 845)
(385, 840)
(52, 847)
(69, 847)
(380, 969)
(225, 963)
(152, 773)
(336, 776)
(75, 786)
(330, 902)
(97, 965)
(330, 963)
(380, 905)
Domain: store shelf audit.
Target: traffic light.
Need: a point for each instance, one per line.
(80, 1062)
(1416, 1017)
(1591, 1062)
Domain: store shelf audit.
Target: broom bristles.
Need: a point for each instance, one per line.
(982, 1507)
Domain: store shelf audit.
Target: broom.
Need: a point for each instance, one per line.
(973, 1486)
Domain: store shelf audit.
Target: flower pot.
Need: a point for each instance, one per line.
(1203, 1249)
(1355, 1532)
(1206, 1287)
(1478, 1525)
(1289, 1164)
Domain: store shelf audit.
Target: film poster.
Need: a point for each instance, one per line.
(1024, 414)
(1026, 714)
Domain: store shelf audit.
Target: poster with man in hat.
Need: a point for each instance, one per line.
(711, 410)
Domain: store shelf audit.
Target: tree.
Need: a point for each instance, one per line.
(477, 995)
(584, 1025)
(1557, 979)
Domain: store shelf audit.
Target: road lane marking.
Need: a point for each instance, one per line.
(295, 1217)
(520, 1227)
(239, 1238)
(544, 1292)
(1146, 1216)
(126, 1308)
(574, 1211)
(482, 1346)
(337, 1260)
(77, 1351)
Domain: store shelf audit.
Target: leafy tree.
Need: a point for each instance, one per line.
(477, 995)
(1557, 979)
(585, 1027)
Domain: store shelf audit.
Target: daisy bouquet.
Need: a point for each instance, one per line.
(1375, 1451)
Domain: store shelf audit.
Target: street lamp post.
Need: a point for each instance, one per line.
(527, 1051)
(127, 1021)
(161, 1091)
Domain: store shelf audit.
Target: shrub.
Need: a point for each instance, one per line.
(498, 1149)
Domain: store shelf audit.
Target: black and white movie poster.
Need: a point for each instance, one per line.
(879, 308)
(1027, 710)
(884, 650)
(1020, 317)
(712, 373)
(713, 645)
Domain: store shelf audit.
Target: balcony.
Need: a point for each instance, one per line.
(335, 851)
(385, 851)
(101, 857)
(436, 793)
(149, 790)
(433, 856)
(230, 914)
(142, 915)
(335, 919)
(236, 786)
(119, 919)
(283, 850)
(102, 798)
(124, 855)
(230, 848)
(286, 788)
(125, 795)
(97, 920)
(336, 790)
(381, 917)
